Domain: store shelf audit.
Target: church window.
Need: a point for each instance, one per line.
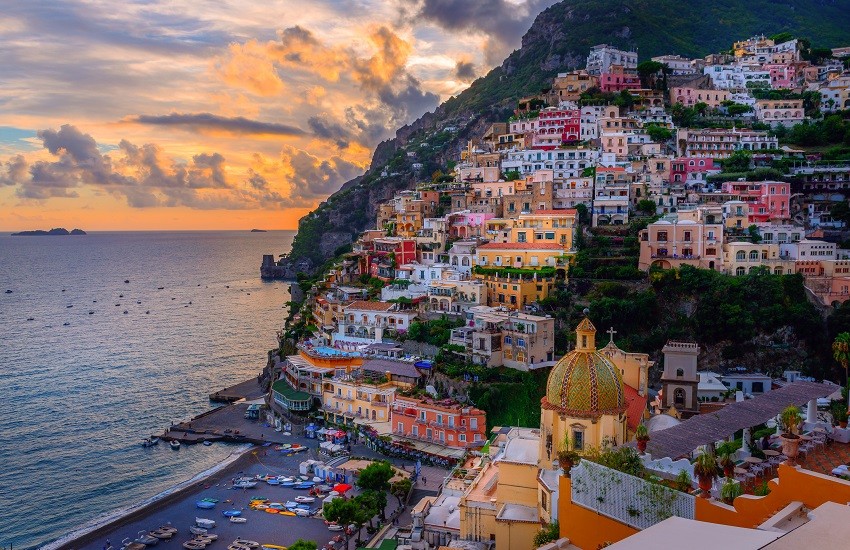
(578, 439)
(679, 397)
(680, 373)
(583, 340)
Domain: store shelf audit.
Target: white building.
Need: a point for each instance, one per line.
(366, 322)
(678, 65)
(601, 58)
(461, 257)
(568, 162)
(806, 250)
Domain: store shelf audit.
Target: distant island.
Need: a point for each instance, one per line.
(54, 231)
(258, 231)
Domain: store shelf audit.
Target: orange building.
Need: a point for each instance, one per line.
(445, 422)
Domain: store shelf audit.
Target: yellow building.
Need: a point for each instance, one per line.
(515, 291)
(519, 255)
(545, 226)
(353, 400)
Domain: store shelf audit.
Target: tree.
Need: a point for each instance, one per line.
(658, 134)
(302, 544)
(400, 488)
(343, 512)
(739, 161)
(376, 478)
(512, 175)
(549, 533)
(840, 211)
(841, 351)
(648, 72)
(646, 206)
(755, 236)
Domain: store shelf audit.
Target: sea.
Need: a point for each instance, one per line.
(110, 337)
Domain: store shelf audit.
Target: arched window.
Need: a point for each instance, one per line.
(754, 255)
(741, 255)
(679, 397)
(740, 271)
(680, 373)
(464, 261)
(777, 271)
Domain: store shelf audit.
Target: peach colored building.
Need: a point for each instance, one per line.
(445, 422)
(691, 96)
(670, 244)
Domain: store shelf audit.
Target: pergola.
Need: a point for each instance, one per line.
(705, 429)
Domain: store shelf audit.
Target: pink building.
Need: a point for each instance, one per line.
(468, 224)
(618, 80)
(557, 126)
(691, 170)
(782, 75)
(689, 97)
(383, 255)
(767, 200)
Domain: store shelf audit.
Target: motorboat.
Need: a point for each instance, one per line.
(150, 441)
(334, 527)
(284, 479)
(290, 504)
(174, 444)
(146, 539)
(287, 484)
(273, 481)
(305, 499)
(205, 504)
(276, 505)
(244, 484)
(231, 513)
(197, 530)
(303, 512)
(205, 523)
(234, 519)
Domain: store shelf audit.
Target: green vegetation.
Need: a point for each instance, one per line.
(547, 534)
(436, 332)
(302, 544)
(511, 398)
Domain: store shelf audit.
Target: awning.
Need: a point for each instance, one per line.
(704, 429)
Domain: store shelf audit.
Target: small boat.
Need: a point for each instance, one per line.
(204, 505)
(334, 527)
(205, 523)
(146, 539)
(150, 441)
(207, 443)
(303, 512)
(206, 539)
(30, 318)
(194, 545)
(317, 479)
(285, 479)
(287, 484)
(168, 527)
(276, 505)
(271, 511)
(162, 534)
(66, 324)
(247, 543)
(69, 306)
(304, 499)
(273, 547)
(273, 481)
(126, 281)
(290, 504)
(197, 530)
(231, 513)
(287, 513)
(235, 519)
(208, 499)
(174, 444)
(244, 484)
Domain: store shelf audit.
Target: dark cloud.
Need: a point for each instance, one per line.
(330, 130)
(465, 71)
(313, 178)
(236, 125)
(13, 170)
(503, 22)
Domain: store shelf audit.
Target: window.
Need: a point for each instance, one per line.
(578, 439)
(461, 437)
(740, 255)
(680, 373)
(401, 428)
(662, 235)
(473, 423)
(422, 416)
(740, 271)
(679, 397)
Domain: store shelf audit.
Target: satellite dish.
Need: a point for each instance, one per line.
(586, 311)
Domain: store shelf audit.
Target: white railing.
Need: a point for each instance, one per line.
(626, 498)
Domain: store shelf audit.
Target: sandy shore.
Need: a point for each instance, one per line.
(99, 528)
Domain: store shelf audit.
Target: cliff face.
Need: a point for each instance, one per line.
(559, 39)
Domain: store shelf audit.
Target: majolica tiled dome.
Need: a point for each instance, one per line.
(584, 383)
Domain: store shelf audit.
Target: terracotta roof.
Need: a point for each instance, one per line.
(635, 405)
(521, 246)
(369, 306)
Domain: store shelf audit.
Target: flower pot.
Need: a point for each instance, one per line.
(641, 445)
(729, 471)
(705, 487)
(842, 424)
(790, 447)
(566, 465)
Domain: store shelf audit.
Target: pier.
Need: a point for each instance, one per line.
(226, 423)
(249, 389)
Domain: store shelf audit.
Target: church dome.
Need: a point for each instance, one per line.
(585, 383)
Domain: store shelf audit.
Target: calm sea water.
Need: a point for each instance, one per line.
(76, 400)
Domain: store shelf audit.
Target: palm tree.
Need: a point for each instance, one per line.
(841, 353)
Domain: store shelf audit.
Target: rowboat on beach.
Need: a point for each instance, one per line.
(205, 505)
(246, 543)
(244, 484)
(231, 513)
(194, 545)
(205, 523)
(146, 539)
(197, 530)
(234, 519)
(174, 444)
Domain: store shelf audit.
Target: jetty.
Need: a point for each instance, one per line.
(226, 423)
(249, 389)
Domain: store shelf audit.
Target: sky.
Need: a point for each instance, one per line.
(227, 114)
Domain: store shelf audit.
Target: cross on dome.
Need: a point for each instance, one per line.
(611, 332)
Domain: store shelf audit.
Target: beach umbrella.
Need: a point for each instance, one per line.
(342, 487)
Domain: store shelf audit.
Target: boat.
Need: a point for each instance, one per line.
(207, 443)
(247, 543)
(304, 485)
(206, 539)
(126, 544)
(150, 441)
(290, 504)
(231, 513)
(287, 484)
(303, 512)
(273, 547)
(205, 523)
(194, 545)
(146, 539)
(197, 530)
(208, 499)
(273, 481)
(305, 499)
(234, 519)
(287, 513)
(168, 527)
(162, 534)
(334, 527)
(244, 484)
(205, 505)
(174, 444)
(284, 479)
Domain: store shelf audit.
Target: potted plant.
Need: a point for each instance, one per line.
(642, 437)
(567, 457)
(730, 490)
(840, 414)
(683, 482)
(789, 419)
(705, 469)
(725, 452)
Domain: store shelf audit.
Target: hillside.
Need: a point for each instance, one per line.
(559, 39)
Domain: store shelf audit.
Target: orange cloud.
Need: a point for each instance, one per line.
(247, 66)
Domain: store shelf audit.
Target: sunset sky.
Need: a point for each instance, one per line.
(179, 114)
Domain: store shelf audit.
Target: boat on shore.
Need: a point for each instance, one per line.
(197, 530)
(235, 519)
(174, 444)
(205, 523)
(150, 441)
(303, 499)
(244, 484)
(205, 504)
(146, 539)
